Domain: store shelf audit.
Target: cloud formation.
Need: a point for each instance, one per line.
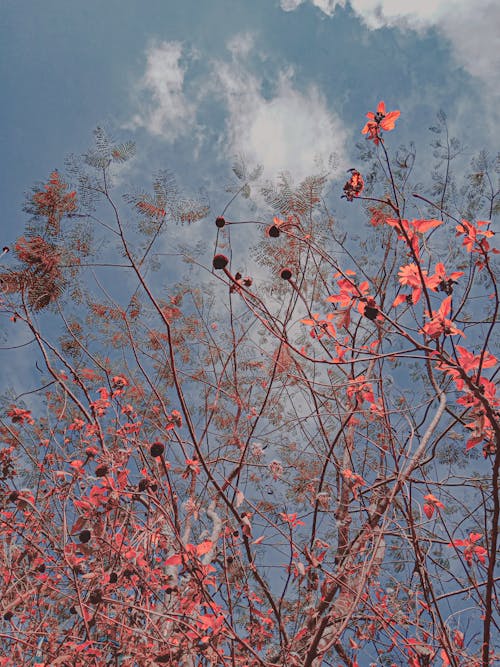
(470, 27)
(286, 130)
(289, 130)
(165, 110)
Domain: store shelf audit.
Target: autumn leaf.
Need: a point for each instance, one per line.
(422, 226)
(176, 559)
(204, 547)
(381, 119)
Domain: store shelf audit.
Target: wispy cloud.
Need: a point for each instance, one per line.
(288, 130)
(164, 108)
(241, 44)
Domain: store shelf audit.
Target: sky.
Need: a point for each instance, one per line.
(285, 83)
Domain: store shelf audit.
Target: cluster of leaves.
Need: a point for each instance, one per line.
(40, 278)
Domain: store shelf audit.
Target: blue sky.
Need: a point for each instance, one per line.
(286, 83)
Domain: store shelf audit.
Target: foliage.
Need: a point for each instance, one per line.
(298, 467)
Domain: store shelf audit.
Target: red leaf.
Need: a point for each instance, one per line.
(176, 559)
(204, 547)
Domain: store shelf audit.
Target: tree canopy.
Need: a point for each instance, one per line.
(298, 466)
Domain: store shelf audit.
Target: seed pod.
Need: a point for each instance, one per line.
(157, 449)
(220, 262)
(84, 536)
(143, 484)
(286, 274)
(371, 312)
(220, 222)
(95, 597)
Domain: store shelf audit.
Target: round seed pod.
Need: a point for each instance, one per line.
(371, 312)
(273, 231)
(143, 484)
(157, 449)
(95, 597)
(220, 222)
(286, 274)
(84, 536)
(220, 262)
(101, 471)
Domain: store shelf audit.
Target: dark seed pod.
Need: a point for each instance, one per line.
(286, 274)
(371, 312)
(220, 222)
(101, 471)
(95, 597)
(13, 496)
(143, 484)
(8, 615)
(273, 232)
(157, 449)
(220, 262)
(84, 536)
(113, 578)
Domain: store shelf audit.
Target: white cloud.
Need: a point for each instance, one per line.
(475, 36)
(326, 6)
(166, 111)
(471, 27)
(241, 44)
(290, 5)
(289, 131)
